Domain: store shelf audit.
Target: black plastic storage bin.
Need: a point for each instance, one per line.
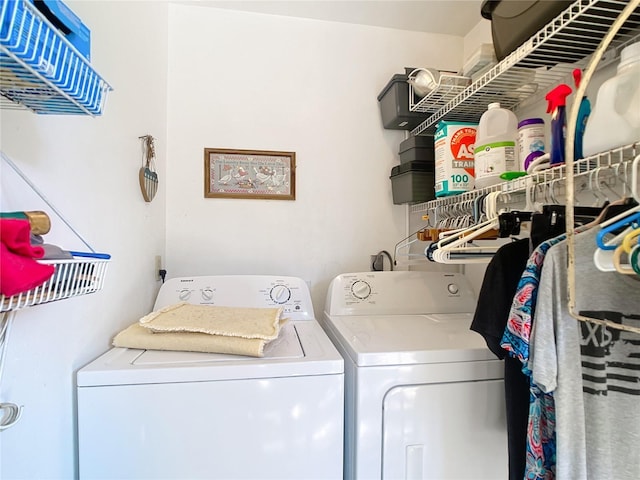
(394, 105)
(413, 182)
(417, 148)
(514, 22)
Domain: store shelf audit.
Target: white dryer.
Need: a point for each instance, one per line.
(153, 414)
(424, 395)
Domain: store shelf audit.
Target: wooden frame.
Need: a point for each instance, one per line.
(249, 174)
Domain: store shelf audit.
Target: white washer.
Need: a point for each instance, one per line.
(154, 414)
(424, 395)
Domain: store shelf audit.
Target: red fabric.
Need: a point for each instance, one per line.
(19, 271)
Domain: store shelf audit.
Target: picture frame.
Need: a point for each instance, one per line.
(254, 174)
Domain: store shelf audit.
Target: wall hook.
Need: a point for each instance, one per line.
(148, 176)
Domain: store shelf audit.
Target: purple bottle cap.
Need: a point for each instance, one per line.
(530, 121)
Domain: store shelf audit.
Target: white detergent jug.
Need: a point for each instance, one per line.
(496, 145)
(615, 119)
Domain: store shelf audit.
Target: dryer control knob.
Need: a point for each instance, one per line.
(453, 288)
(184, 294)
(361, 289)
(280, 294)
(207, 294)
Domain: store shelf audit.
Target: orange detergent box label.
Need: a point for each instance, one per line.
(454, 146)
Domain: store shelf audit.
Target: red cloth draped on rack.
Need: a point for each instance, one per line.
(19, 271)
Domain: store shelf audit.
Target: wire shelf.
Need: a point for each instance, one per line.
(541, 62)
(449, 86)
(39, 68)
(72, 278)
(80, 275)
(611, 160)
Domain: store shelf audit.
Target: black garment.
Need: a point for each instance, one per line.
(516, 395)
(492, 312)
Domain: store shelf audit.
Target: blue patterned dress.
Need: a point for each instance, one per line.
(541, 439)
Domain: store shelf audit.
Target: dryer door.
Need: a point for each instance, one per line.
(445, 431)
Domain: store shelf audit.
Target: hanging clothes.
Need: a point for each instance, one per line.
(540, 439)
(506, 329)
(592, 370)
(494, 303)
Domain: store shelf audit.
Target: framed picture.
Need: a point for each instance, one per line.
(249, 174)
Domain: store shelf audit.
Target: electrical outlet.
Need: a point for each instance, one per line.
(158, 267)
(377, 263)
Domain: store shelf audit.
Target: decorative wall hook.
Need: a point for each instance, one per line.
(148, 175)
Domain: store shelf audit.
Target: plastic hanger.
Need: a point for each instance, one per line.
(613, 209)
(629, 240)
(631, 246)
(628, 220)
(456, 247)
(467, 255)
(467, 234)
(617, 262)
(603, 257)
(634, 259)
(635, 194)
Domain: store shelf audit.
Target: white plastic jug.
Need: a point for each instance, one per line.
(615, 119)
(496, 149)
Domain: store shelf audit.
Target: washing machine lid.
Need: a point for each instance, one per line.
(409, 339)
(302, 348)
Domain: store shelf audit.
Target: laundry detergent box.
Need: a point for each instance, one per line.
(454, 143)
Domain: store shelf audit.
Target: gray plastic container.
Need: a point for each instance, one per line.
(417, 148)
(394, 105)
(512, 23)
(413, 182)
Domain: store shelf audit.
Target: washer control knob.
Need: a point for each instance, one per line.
(207, 294)
(280, 294)
(453, 288)
(361, 289)
(184, 294)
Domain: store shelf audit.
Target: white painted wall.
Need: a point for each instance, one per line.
(251, 81)
(88, 169)
(235, 80)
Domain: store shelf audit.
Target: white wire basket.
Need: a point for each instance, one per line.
(447, 88)
(71, 278)
(40, 69)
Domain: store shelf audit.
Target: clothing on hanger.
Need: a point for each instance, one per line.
(490, 317)
(540, 433)
(530, 412)
(541, 443)
(591, 369)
